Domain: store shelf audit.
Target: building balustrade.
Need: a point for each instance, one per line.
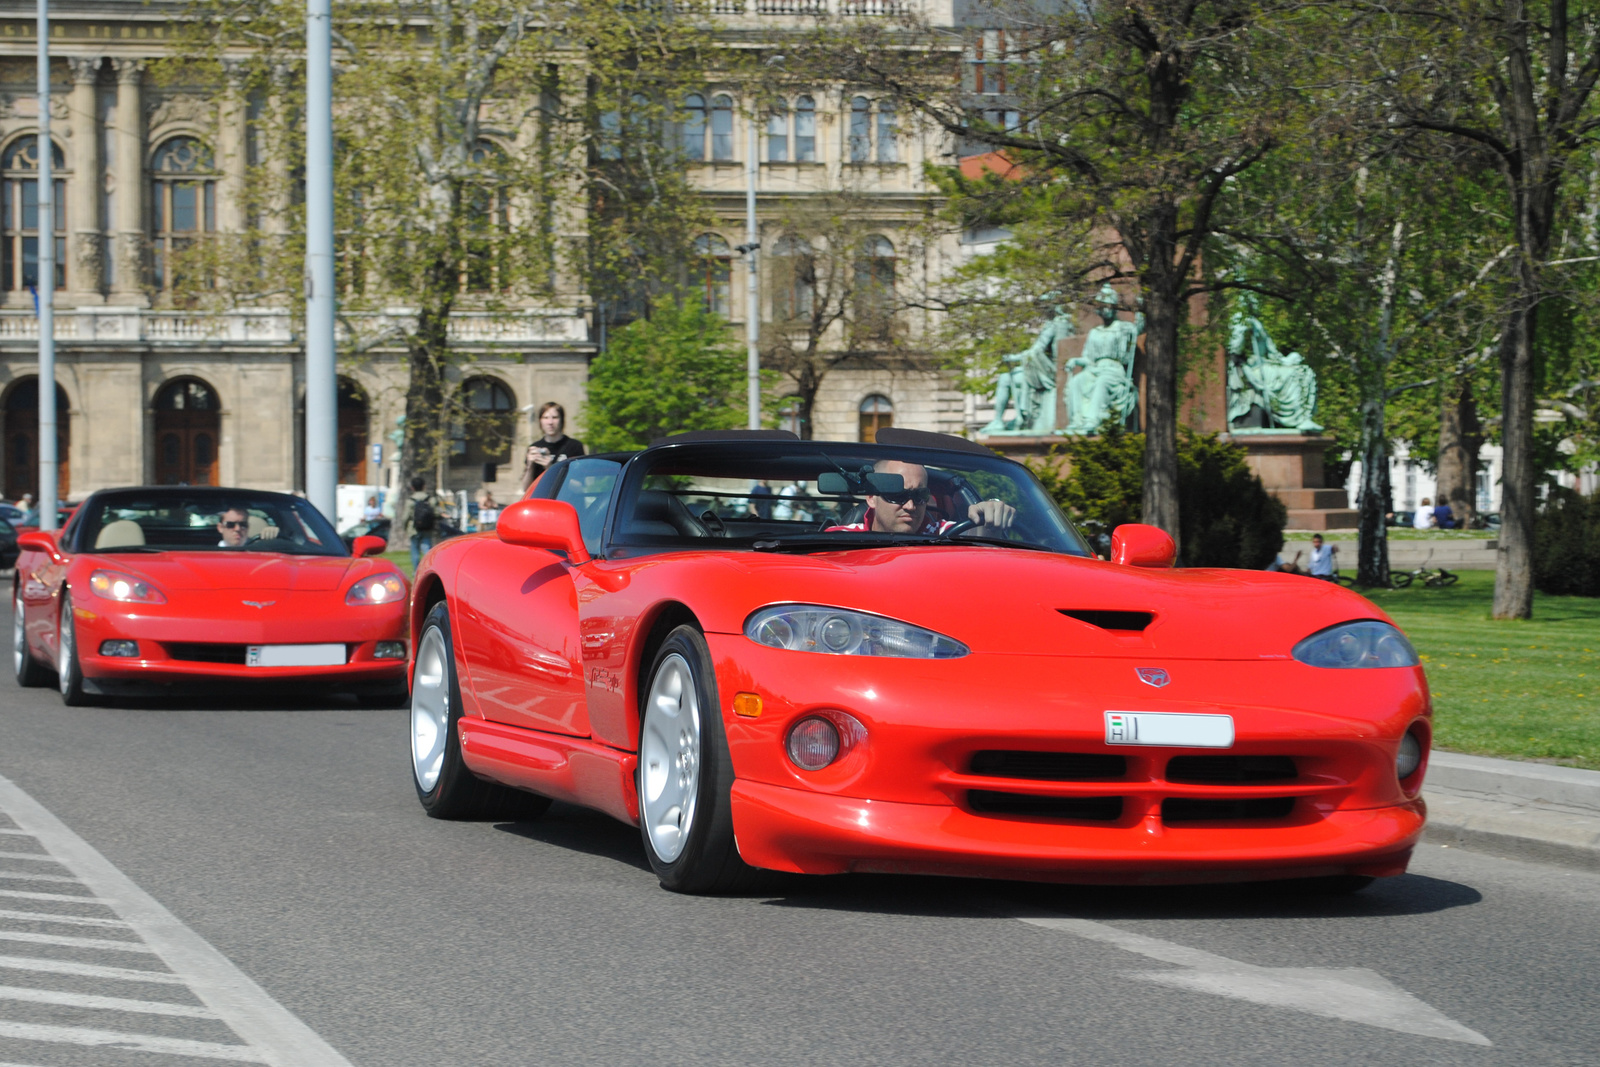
(273, 326)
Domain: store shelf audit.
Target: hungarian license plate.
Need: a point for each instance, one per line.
(1169, 729)
(294, 655)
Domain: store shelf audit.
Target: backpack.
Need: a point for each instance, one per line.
(423, 517)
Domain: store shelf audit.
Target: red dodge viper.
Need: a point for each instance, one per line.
(165, 584)
(821, 657)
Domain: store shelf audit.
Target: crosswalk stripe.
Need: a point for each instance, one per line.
(43, 857)
(171, 1046)
(103, 944)
(14, 833)
(84, 1000)
(21, 894)
(52, 917)
(36, 877)
(88, 970)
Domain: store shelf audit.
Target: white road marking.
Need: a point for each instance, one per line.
(87, 970)
(15, 833)
(170, 1046)
(84, 1000)
(52, 917)
(272, 1034)
(1354, 994)
(35, 877)
(40, 856)
(105, 944)
(22, 894)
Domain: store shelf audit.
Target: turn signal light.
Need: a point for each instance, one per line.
(747, 705)
(384, 589)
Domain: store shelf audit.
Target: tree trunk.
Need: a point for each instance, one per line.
(1513, 578)
(1372, 552)
(1163, 308)
(427, 354)
(1460, 437)
(807, 382)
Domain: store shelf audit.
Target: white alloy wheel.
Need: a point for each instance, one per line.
(669, 757)
(64, 648)
(19, 635)
(430, 709)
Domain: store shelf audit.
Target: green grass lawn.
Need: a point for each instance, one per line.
(1523, 690)
(1397, 533)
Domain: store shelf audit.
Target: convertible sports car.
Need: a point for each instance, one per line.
(175, 583)
(823, 657)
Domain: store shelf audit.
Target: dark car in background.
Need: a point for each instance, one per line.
(8, 545)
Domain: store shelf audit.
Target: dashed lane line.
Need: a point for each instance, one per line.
(272, 1034)
(31, 995)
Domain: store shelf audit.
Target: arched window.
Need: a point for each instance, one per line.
(183, 203)
(722, 128)
(789, 409)
(877, 412)
(887, 151)
(694, 127)
(481, 435)
(805, 130)
(188, 425)
(794, 278)
(874, 285)
(487, 263)
(778, 133)
(860, 130)
(20, 165)
(715, 269)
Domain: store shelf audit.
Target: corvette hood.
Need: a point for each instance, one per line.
(997, 600)
(255, 572)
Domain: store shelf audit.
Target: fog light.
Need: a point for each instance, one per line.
(120, 648)
(1409, 756)
(813, 743)
(389, 650)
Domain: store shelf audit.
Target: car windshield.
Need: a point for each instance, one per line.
(822, 495)
(160, 520)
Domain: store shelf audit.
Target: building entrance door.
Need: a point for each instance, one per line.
(352, 434)
(22, 441)
(188, 425)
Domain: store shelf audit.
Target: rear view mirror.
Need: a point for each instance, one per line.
(1133, 544)
(873, 482)
(832, 482)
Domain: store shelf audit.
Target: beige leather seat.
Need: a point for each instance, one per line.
(258, 526)
(123, 533)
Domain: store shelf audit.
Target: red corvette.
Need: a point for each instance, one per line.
(823, 657)
(166, 584)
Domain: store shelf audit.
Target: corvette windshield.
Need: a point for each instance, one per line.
(822, 495)
(184, 520)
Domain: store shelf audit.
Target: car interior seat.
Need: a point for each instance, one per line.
(123, 533)
(258, 526)
(663, 514)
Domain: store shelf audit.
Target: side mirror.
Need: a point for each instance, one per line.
(548, 524)
(39, 541)
(367, 545)
(1133, 544)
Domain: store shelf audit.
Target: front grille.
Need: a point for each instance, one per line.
(1195, 809)
(1111, 620)
(1098, 809)
(197, 652)
(1048, 766)
(1230, 769)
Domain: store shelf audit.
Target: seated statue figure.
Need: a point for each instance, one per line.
(1103, 387)
(1030, 384)
(1268, 391)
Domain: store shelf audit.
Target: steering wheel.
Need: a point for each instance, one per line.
(959, 528)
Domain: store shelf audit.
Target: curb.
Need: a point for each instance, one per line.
(1525, 811)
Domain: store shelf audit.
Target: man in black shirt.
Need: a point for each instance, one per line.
(553, 447)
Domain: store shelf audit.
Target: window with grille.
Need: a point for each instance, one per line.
(722, 128)
(482, 432)
(487, 266)
(778, 133)
(874, 285)
(20, 166)
(877, 412)
(183, 205)
(794, 278)
(715, 272)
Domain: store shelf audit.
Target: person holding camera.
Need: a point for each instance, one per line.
(553, 447)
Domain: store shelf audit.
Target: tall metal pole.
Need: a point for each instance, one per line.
(322, 415)
(46, 287)
(752, 312)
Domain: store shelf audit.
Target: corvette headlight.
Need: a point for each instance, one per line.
(124, 588)
(811, 628)
(384, 589)
(1367, 643)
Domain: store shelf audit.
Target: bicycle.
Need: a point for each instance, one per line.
(1430, 579)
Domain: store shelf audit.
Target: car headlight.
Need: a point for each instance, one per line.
(124, 588)
(839, 632)
(1367, 643)
(384, 589)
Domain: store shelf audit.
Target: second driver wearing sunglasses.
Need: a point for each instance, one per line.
(906, 512)
(234, 528)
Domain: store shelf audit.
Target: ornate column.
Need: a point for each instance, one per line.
(231, 141)
(83, 190)
(128, 282)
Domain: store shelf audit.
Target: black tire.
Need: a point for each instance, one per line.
(707, 861)
(1399, 579)
(1442, 579)
(69, 670)
(457, 793)
(31, 674)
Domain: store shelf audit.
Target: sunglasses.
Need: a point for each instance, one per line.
(914, 496)
(235, 525)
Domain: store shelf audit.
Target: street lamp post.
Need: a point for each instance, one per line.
(45, 287)
(322, 466)
(752, 308)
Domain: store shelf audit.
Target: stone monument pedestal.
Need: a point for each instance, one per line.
(1290, 466)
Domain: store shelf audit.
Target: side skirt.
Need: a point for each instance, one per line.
(576, 770)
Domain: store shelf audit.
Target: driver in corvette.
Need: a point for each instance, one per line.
(907, 511)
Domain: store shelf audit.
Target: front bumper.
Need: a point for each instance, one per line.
(797, 830)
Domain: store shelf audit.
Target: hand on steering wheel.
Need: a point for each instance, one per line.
(958, 529)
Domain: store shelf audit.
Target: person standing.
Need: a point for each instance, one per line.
(373, 512)
(1322, 559)
(422, 520)
(488, 512)
(553, 447)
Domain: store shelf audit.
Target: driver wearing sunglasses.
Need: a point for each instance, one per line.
(234, 528)
(907, 511)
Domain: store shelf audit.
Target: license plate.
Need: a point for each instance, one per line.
(294, 655)
(1169, 729)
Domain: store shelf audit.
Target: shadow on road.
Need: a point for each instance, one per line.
(582, 830)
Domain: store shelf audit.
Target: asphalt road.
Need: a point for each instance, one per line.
(290, 840)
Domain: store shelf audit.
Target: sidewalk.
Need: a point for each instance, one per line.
(1525, 811)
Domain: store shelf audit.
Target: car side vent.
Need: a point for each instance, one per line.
(1197, 809)
(1110, 620)
(1230, 769)
(1095, 809)
(1048, 766)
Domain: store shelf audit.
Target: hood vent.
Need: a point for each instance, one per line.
(1132, 621)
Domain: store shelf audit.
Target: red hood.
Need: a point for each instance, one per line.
(256, 572)
(1010, 601)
